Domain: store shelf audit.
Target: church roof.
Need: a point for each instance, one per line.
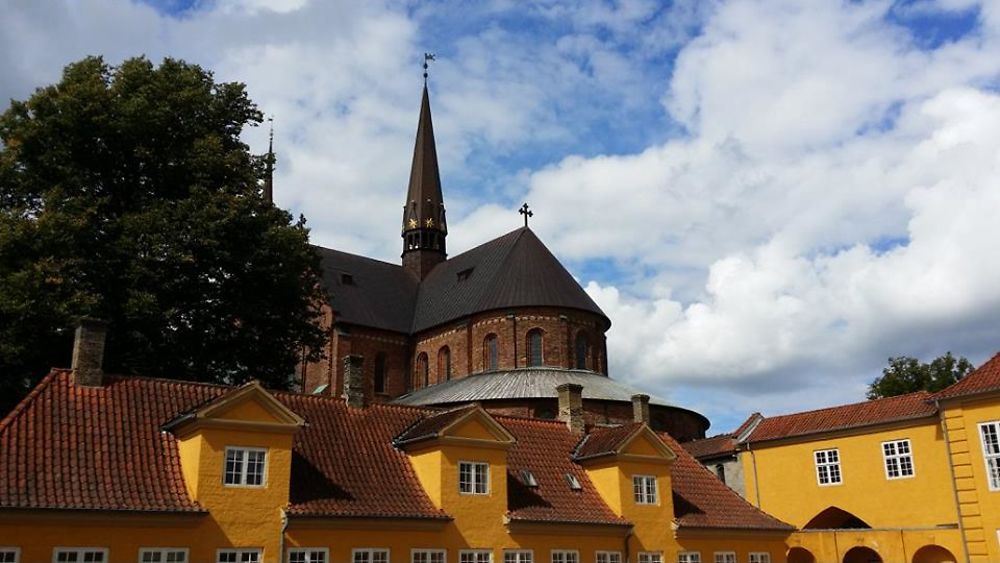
(514, 270)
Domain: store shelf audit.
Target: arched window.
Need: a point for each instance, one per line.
(491, 352)
(422, 375)
(535, 347)
(444, 364)
(380, 372)
(582, 350)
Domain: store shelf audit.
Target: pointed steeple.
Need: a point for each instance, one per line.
(424, 225)
(269, 166)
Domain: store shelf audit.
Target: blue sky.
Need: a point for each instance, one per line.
(768, 197)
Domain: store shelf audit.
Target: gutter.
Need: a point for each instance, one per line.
(954, 488)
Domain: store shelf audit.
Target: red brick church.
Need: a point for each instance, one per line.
(503, 324)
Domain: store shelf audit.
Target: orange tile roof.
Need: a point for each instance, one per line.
(708, 448)
(604, 440)
(984, 379)
(880, 411)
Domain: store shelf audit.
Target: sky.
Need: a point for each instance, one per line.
(769, 198)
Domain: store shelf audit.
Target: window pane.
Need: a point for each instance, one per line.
(534, 348)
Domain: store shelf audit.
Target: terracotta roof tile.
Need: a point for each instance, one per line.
(604, 440)
(702, 501)
(983, 379)
(708, 448)
(880, 411)
(430, 426)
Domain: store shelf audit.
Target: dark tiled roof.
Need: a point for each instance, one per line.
(880, 411)
(605, 440)
(702, 501)
(984, 379)
(708, 448)
(432, 425)
(380, 295)
(545, 448)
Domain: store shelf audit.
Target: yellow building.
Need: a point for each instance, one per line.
(908, 478)
(103, 468)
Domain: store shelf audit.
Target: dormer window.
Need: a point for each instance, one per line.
(346, 279)
(464, 274)
(245, 467)
(473, 478)
(573, 482)
(528, 478)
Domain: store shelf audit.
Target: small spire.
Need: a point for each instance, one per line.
(269, 165)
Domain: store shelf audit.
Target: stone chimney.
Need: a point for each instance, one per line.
(640, 408)
(354, 381)
(88, 352)
(571, 406)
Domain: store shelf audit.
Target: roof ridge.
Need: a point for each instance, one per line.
(835, 407)
(31, 397)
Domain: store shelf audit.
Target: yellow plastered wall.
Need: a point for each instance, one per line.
(789, 490)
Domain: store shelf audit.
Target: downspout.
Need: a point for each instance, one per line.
(628, 536)
(756, 481)
(281, 539)
(951, 471)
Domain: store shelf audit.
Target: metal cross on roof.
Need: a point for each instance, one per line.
(526, 212)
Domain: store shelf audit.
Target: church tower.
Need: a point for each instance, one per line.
(424, 225)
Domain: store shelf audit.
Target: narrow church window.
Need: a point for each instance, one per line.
(444, 364)
(380, 372)
(534, 347)
(582, 350)
(422, 371)
(490, 351)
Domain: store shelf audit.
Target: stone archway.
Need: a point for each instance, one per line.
(861, 554)
(800, 555)
(933, 554)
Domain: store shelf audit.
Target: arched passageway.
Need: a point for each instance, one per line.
(834, 518)
(800, 555)
(862, 554)
(933, 554)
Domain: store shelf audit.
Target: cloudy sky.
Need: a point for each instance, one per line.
(768, 198)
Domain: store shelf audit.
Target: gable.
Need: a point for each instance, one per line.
(249, 407)
(473, 428)
(645, 444)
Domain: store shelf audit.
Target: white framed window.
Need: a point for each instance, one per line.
(427, 556)
(473, 478)
(308, 555)
(252, 555)
(725, 557)
(990, 434)
(644, 489)
(650, 557)
(760, 557)
(10, 555)
(565, 556)
(370, 555)
(245, 467)
(828, 467)
(689, 557)
(163, 555)
(475, 556)
(80, 555)
(608, 557)
(898, 457)
(518, 556)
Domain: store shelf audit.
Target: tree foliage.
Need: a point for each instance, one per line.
(906, 375)
(127, 194)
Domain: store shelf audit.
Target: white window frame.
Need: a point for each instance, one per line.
(827, 465)
(898, 459)
(308, 550)
(11, 549)
(79, 551)
(724, 557)
(650, 557)
(641, 492)
(475, 553)
(370, 552)
(428, 552)
(760, 557)
(689, 557)
(520, 555)
(991, 459)
(608, 557)
(243, 469)
(163, 551)
(240, 551)
(472, 472)
(564, 556)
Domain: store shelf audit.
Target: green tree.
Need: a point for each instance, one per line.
(127, 194)
(906, 375)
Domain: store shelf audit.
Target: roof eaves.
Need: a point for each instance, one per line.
(844, 427)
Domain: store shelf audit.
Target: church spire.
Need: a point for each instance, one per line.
(269, 166)
(424, 225)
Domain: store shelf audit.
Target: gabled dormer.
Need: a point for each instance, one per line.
(460, 458)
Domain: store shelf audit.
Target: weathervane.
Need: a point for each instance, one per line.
(427, 57)
(526, 212)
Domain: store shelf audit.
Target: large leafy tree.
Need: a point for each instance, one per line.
(126, 194)
(906, 375)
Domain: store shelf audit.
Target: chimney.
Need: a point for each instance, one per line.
(571, 406)
(88, 352)
(640, 408)
(354, 381)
